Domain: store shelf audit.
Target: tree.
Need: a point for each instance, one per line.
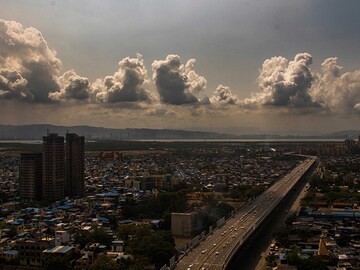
(55, 263)
(290, 219)
(343, 240)
(158, 246)
(270, 260)
(313, 262)
(281, 235)
(100, 236)
(293, 255)
(83, 238)
(224, 209)
(12, 232)
(139, 263)
(97, 236)
(104, 262)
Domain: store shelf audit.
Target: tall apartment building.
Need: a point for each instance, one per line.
(30, 176)
(74, 165)
(53, 186)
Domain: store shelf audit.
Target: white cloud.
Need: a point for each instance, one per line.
(335, 91)
(283, 83)
(126, 85)
(223, 96)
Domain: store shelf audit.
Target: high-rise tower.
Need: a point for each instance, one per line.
(30, 176)
(74, 165)
(53, 186)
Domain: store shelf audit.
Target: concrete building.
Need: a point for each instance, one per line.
(9, 254)
(63, 252)
(53, 186)
(117, 246)
(31, 251)
(185, 224)
(30, 176)
(62, 238)
(74, 165)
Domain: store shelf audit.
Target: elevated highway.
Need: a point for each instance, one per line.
(217, 250)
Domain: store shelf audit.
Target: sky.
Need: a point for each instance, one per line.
(232, 66)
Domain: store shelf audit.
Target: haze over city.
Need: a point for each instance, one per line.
(286, 67)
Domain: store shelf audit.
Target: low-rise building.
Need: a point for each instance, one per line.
(30, 251)
(185, 224)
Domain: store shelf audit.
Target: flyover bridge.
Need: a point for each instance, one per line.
(218, 248)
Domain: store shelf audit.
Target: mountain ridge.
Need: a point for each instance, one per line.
(37, 131)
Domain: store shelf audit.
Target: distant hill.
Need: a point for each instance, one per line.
(35, 132)
(344, 134)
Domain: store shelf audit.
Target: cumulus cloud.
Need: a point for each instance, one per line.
(223, 96)
(29, 68)
(177, 83)
(335, 91)
(293, 85)
(13, 85)
(284, 83)
(357, 107)
(73, 86)
(126, 85)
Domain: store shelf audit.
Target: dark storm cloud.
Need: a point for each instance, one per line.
(126, 85)
(177, 83)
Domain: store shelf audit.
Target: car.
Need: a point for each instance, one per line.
(202, 252)
(217, 253)
(214, 244)
(224, 245)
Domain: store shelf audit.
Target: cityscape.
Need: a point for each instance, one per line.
(179, 135)
(179, 205)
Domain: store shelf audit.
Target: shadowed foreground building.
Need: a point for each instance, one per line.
(53, 167)
(74, 165)
(56, 172)
(30, 176)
